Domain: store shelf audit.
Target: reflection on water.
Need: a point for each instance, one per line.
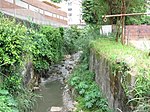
(51, 93)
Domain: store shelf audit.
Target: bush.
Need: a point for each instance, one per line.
(71, 36)
(12, 41)
(76, 39)
(18, 45)
(90, 97)
(55, 40)
(7, 102)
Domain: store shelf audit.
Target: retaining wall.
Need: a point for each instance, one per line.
(111, 85)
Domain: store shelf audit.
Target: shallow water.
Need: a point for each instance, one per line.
(51, 93)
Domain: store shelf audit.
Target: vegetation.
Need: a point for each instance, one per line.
(88, 94)
(19, 45)
(94, 9)
(57, 1)
(89, 97)
(76, 39)
(48, 47)
(113, 51)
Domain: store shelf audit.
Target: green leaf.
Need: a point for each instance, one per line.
(4, 92)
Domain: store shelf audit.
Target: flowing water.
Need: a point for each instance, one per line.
(51, 95)
(52, 92)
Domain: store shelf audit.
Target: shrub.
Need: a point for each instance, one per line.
(55, 41)
(19, 44)
(7, 102)
(90, 97)
(11, 45)
(71, 36)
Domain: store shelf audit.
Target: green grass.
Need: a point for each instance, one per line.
(112, 51)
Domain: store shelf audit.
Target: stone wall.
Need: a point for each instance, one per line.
(111, 85)
(31, 78)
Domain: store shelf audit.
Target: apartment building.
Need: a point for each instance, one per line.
(74, 12)
(40, 12)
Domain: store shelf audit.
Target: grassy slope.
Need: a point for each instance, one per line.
(111, 50)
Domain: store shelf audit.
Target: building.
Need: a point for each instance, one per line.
(39, 12)
(74, 12)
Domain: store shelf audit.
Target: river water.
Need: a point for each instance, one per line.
(52, 92)
(51, 95)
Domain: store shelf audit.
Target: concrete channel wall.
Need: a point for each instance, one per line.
(111, 85)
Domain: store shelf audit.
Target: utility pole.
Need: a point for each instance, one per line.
(123, 22)
(122, 15)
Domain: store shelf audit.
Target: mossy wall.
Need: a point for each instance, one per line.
(110, 85)
(121, 71)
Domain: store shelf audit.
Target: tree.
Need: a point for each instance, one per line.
(57, 1)
(94, 9)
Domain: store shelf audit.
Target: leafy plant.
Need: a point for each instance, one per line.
(71, 35)
(13, 84)
(19, 44)
(12, 44)
(7, 102)
(55, 41)
(57, 1)
(90, 96)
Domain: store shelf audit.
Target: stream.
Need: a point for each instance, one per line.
(51, 96)
(55, 95)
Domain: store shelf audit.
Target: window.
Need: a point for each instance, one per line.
(69, 9)
(69, 3)
(65, 18)
(35, 9)
(61, 17)
(41, 11)
(54, 15)
(10, 1)
(70, 20)
(70, 14)
(48, 13)
(57, 16)
(21, 4)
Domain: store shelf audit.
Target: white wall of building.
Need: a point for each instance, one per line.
(74, 12)
(10, 1)
(73, 9)
(21, 4)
